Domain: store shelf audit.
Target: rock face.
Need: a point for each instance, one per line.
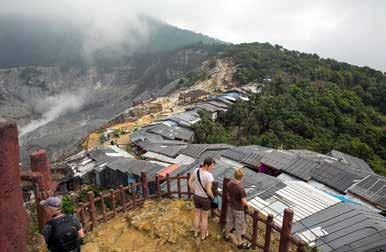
(159, 226)
(55, 106)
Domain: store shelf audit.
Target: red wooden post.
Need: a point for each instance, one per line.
(301, 246)
(123, 198)
(83, 218)
(103, 205)
(286, 230)
(224, 203)
(40, 165)
(145, 188)
(187, 182)
(268, 231)
(255, 228)
(92, 209)
(13, 217)
(179, 187)
(168, 184)
(157, 186)
(113, 202)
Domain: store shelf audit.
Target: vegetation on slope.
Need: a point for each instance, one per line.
(310, 103)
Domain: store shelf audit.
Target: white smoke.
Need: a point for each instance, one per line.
(54, 106)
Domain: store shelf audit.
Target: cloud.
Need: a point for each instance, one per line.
(52, 107)
(348, 30)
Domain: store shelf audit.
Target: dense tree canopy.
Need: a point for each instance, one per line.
(307, 103)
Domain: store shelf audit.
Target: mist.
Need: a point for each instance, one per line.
(349, 30)
(53, 107)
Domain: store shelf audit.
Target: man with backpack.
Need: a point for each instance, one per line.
(63, 232)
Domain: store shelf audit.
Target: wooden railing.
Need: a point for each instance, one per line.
(126, 198)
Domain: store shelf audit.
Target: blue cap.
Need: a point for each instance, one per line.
(52, 202)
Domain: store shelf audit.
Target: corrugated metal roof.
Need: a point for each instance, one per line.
(277, 159)
(132, 166)
(168, 150)
(302, 198)
(172, 133)
(196, 150)
(357, 165)
(335, 177)
(187, 118)
(372, 188)
(218, 104)
(209, 107)
(301, 168)
(249, 155)
(179, 159)
(346, 227)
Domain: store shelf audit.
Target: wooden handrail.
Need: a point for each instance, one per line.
(87, 211)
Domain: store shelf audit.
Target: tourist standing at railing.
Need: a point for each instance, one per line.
(200, 184)
(235, 218)
(63, 233)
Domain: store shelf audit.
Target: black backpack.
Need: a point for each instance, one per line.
(64, 236)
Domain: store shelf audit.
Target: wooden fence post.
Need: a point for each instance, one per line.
(92, 209)
(179, 186)
(123, 198)
(255, 228)
(145, 188)
(113, 203)
(224, 203)
(103, 207)
(157, 186)
(168, 184)
(286, 230)
(187, 184)
(268, 231)
(83, 218)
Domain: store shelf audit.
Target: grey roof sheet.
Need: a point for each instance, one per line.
(209, 107)
(301, 168)
(99, 154)
(278, 159)
(168, 150)
(249, 155)
(218, 104)
(348, 227)
(357, 165)
(186, 118)
(373, 189)
(172, 132)
(135, 167)
(196, 150)
(335, 177)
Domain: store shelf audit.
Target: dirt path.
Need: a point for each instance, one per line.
(158, 226)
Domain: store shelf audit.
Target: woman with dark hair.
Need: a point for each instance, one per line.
(200, 184)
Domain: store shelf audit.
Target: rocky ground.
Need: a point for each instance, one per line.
(158, 226)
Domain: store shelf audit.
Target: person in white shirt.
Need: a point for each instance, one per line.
(200, 184)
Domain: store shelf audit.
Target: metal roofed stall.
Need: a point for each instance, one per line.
(196, 150)
(343, 227)
(358, 165)
(335, 177)
(302, 198)
(372, 189)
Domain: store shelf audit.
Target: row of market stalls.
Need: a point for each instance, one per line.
(337, 199)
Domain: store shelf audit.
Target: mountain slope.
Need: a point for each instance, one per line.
(42, 41)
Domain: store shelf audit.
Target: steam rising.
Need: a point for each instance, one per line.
(52, 107)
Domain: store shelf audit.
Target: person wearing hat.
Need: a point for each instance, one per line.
(62, 232)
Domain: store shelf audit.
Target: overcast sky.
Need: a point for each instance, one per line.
(350, 31)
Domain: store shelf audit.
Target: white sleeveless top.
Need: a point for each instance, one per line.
(206, 177)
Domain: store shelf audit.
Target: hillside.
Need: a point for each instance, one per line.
(305, 103)
(42, 41)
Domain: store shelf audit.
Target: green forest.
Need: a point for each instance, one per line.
(305, 102)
